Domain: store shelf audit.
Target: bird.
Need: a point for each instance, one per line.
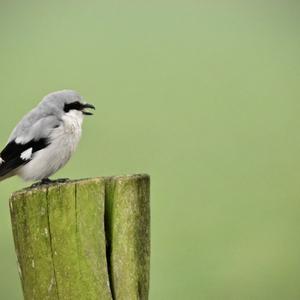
(45, 138)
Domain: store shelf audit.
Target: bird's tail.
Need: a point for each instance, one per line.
(5, 177)
(6, 169)
(4, 172)
(2, 177)
(8, 175)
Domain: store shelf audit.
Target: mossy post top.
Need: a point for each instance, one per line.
(84, 239)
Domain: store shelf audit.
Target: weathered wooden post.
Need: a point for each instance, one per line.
(86, 239)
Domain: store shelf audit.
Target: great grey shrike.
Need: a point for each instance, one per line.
(45, 139)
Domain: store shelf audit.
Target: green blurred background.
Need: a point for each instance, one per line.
(202, 95)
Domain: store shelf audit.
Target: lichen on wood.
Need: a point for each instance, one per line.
(70, 246)
(128, 219)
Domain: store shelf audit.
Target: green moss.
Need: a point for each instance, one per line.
(86, 239)
(128, 215)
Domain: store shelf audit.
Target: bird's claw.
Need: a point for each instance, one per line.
(37, 184)
(60, 180)
(47, 181)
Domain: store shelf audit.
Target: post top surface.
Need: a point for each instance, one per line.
(45, 187)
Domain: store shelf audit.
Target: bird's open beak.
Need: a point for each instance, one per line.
(87, 105)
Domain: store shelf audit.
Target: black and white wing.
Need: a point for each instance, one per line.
(21, 147)
(15, 155)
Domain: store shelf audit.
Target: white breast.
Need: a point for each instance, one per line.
(64, 140)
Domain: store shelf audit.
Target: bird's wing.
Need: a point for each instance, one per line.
(25, 143)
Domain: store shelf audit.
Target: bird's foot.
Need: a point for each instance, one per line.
(60, 180)
(47, 181)
(37, 184)
(42, 182)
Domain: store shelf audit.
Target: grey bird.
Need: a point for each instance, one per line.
(45, 139)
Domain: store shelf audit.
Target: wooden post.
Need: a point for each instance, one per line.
(86, 239)
(128, 237)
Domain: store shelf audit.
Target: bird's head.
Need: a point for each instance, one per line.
(67, 102)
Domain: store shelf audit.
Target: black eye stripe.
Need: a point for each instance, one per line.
(74, 105)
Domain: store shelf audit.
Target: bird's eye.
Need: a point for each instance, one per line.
(74, 105)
